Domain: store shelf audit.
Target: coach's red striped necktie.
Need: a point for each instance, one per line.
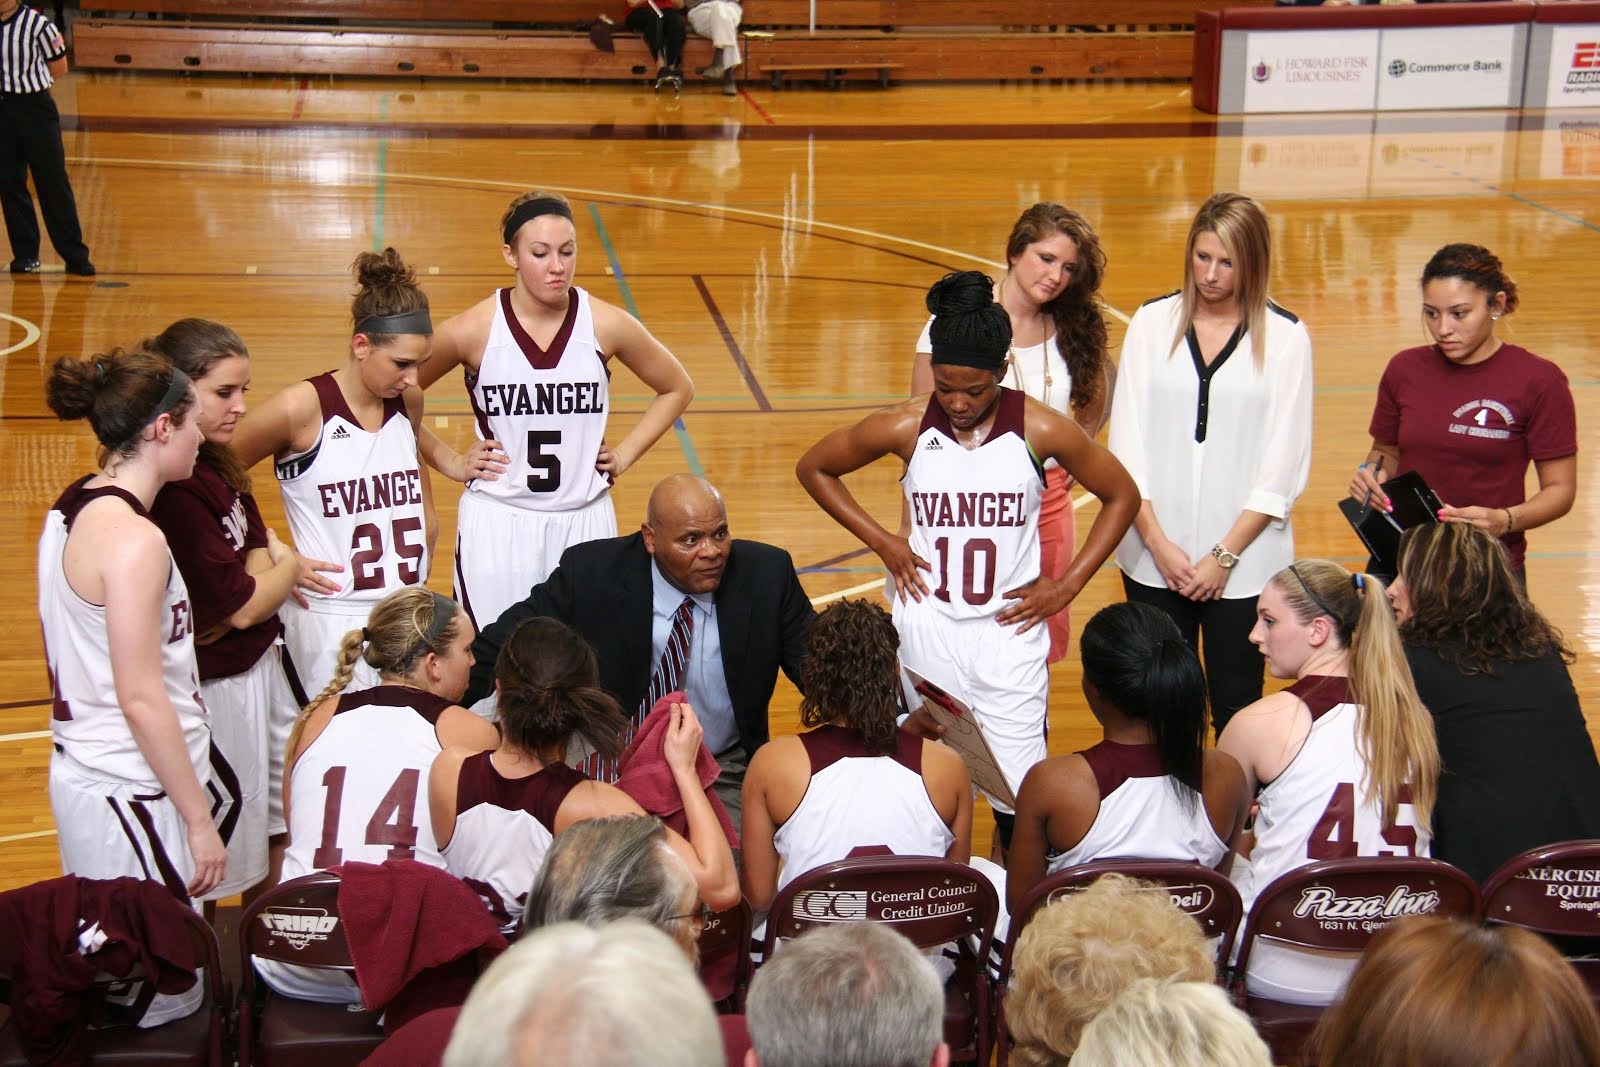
(668, 677)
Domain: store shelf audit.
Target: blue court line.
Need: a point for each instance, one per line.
(681, 431)
(1585, 223)
(383, 160)
(1493, 188)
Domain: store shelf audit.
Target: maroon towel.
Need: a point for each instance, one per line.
(53, 982)
(643, 774)
(419, 1043)
(403, 918)
(735, 1039)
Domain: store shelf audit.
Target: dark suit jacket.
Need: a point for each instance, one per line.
(602, 589)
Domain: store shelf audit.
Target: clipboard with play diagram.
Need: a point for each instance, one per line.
(963, 731)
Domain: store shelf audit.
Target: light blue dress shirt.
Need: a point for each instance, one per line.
(703, 681)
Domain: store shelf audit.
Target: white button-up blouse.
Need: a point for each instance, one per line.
(1205, 443)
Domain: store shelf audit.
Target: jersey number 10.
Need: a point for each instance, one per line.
(976, 552)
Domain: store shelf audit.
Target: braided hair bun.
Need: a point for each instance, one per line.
(969, 329)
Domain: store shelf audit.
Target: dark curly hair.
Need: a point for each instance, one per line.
(852, 673)
(1474, 264)
(1080, 325)
(1466, 604)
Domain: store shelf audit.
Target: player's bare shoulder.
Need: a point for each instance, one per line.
(462, 337)
(900, 422)
(616, 332)
(1042, 423)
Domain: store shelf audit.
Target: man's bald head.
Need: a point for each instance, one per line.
(686, 530)
(677, 492)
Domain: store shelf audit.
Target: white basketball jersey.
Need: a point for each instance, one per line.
(546, 408)
(858, 800)
(1314, 810)
(1141, 815)
(504, 829)
(975, 512)
(360, 792)
(356, 499)
(86, 719)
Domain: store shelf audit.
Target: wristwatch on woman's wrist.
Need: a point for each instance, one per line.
(1224, 558)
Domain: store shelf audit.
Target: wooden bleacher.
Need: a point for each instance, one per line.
(915, 40)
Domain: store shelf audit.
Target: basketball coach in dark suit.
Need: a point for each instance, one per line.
(625, 595)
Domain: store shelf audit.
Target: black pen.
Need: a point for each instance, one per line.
(1366, 502)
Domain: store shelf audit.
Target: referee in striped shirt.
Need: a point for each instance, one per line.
(32, 56)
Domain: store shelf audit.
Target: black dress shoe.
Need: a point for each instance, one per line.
(24, 266)
(83, 270)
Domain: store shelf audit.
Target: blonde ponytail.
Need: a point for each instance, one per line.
(1394, 732)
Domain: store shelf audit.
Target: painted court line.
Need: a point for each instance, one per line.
(734, 350)
(681, 431)
(714, 210)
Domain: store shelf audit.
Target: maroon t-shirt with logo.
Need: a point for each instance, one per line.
(1472, 431)
(211, 529)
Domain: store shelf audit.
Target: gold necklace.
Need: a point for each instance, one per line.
(1044, 347)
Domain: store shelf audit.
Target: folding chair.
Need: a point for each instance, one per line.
(933, 902)
(1538, 889)
(195, 1039)
(1337, 907)
(725, 964)
(1207, 896)
(298, 922)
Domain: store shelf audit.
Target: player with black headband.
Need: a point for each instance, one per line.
(357, 779)
(348, 445)
(130, 780)
(538, 356)
(974, 454)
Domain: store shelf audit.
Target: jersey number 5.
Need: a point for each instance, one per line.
(393, 822)
(544, 468)
(366, 553)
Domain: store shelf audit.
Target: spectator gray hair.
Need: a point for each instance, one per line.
(852, 995)
(617, 995)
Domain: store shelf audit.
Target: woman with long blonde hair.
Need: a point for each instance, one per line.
(355, 780)
(1343, 762)
(1212, 417)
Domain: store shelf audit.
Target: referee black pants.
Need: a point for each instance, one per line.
(1233, 665)
(30, 139)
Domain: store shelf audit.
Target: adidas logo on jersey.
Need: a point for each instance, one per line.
(339, 433)
(933, 445)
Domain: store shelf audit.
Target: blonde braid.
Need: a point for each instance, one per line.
(350, 649)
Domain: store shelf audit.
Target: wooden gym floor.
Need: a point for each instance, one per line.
(779, 243)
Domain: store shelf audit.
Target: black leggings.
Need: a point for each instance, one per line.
(1233, 664)
(664, 33)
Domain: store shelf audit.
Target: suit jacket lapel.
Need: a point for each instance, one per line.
(634, 624)
(733, 625)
